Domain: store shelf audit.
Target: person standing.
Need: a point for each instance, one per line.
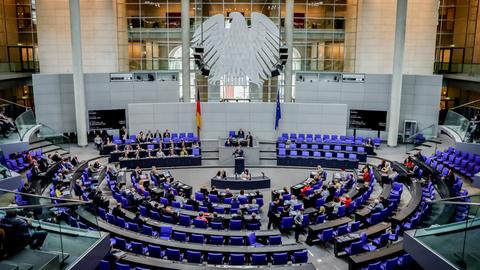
(298, 220)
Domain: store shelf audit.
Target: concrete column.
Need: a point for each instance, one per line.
(186, 50)
(77, 68)
(397, 74)
(289, 40)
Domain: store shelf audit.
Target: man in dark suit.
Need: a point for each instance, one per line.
(238, 152)
(166, 134)
(249, 139)
(241, 134)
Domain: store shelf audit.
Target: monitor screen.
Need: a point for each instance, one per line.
(106, 119)
(364, 119)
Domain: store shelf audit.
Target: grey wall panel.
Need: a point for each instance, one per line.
(54, 97)
(420, 96)
(219, 118)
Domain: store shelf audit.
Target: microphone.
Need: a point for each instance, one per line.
(263, 175)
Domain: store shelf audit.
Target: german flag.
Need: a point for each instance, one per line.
(198, 114)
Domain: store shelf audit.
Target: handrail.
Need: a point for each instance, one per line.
(454, 203)
(420, 131)
(45, 205)
(465, 104)
(455, 198)
(13, 103)
(40, 196)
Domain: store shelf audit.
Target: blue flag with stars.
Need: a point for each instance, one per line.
(278, 113)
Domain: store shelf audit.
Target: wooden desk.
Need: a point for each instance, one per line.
(361, 260)
(341, 242)
(154, 263)
(204, 248)
(313, 230)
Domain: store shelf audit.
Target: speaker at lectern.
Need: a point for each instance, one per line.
(239, 160)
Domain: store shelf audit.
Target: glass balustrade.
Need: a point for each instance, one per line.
(67, 239)
(455, 239)
(458, 123)
(420, 137)
(25, 122)
(54, 137)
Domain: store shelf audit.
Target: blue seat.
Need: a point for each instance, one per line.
(173, 254)
(390, 264)
(120, 222)
(104, 265)
(194, 256)
(197, 238)
(165, 231)
(199, 224)
(328, 155)
(293, 153)
(122, 266)
(253, 226)
(275, 240)
(382, 240)
(199, 196)
(235, 225)
(259, 259)
(300, 256)
(280, 258)
(375, 266)
(354, 226)
(216, 240)
(320, 219)
(143, 211)
(236, 240)
(154, 215)
(215, 258)
(154, 251)
(237, 259)
(326, 235)
(180, 236)
(111, 219)
(365, 244)
(133, 226)
(147, 230)
(137, 248)
(184, 220)
(217, 225)
(354, 248)
(341, 230)
(120, 243)
(252, 240)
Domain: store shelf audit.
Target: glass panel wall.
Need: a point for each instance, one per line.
(150, 37)
(18, 36)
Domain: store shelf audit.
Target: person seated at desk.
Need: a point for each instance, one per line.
(346, 200)
(253, 220)
(246, 175)
(285, 211)
(384, 167)
(183, 144)
(228, 142)
(369, 142)
(171, 152)
(141, 137)
(336, 204)
(304, 190)
(161, 154)
(201, 217)
(293, 201)
(238, 216)
(166, 134)
(241, 134)
(117, 211)
(214, 191)
(218, 176)
(419, 155)
(195, 145)
(249, 139)
(21, 229)
(408, 162)
(319, 212)
(216, 218)
(26, 188)
(59, 191)
(193, 203)
(258, 195)
(180, 198)
(157, 134)
(376, 206)
(137, 173)
(111, 173)
(184, 152)
(366, 174)
(204, 191)
(169, 212)
(224, 174)
(148, 136)
(228, 193)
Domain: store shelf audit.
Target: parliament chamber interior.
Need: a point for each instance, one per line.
(282, 134)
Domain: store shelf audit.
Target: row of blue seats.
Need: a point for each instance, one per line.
(462, 162)
(317, 154)
(325, 147)
(399, 262)
(175, 137)
(172, 254)
(328, 138)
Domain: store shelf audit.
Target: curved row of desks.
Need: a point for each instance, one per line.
(138, 237)
(154, 263)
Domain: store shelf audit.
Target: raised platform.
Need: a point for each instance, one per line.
(314, 162)
(257, 182)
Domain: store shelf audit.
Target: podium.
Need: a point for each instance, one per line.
(239, 165)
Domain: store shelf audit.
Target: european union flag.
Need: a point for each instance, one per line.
(278, 114)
